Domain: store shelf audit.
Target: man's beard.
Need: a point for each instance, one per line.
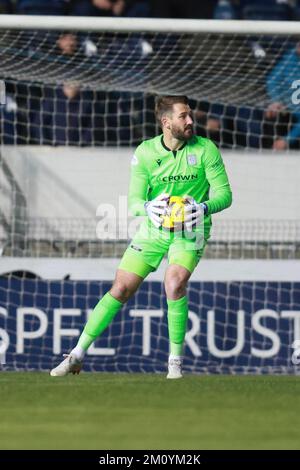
(184, 134)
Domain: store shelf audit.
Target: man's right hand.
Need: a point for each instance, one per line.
(273, 109)
(280, 144)
(156, 208)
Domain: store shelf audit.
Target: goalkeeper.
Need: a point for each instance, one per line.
(176, 163)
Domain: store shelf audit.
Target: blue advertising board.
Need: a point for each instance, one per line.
(233, 326)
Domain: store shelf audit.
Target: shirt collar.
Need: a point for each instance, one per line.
(167, 148)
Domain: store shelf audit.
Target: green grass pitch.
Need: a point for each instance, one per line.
(146, 411)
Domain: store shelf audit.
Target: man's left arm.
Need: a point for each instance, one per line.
(218, 180)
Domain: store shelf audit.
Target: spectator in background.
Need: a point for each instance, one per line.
(124, 8)
(67, 43)
(130, 51)
(129, 8)
(83, 8)
(281, 93)
(65, 117)
(268, 10)
(183, 8)
(225, 10)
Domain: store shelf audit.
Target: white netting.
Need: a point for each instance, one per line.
(91, 87)
(77, 237)
(227, 68)
(235, 79)
(236, 327)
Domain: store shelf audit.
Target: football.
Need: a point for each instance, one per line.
(174, 218)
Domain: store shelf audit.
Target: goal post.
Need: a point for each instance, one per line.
(79, 98)
(148, 25)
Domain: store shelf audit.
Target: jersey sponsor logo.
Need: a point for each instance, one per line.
(170, 179)
(191, 160)
(134, 160)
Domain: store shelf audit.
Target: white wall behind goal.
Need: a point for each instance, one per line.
(69, 182)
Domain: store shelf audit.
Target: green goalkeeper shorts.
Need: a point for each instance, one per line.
(147, 249)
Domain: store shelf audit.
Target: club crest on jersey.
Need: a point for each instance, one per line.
(191, 160)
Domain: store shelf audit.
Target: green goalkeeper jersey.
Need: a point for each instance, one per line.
(195, 170)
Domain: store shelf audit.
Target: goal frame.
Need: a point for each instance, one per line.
(148, 25)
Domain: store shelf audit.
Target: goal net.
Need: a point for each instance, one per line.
(79, 96)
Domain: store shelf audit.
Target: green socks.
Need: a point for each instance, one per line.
(99, 320)
(177, 321)
(108, 307)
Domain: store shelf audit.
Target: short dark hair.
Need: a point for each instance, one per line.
(164, 104)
